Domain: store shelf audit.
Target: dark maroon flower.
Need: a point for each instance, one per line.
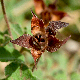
(43, 38)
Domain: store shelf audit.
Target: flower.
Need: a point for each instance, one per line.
(43, 38)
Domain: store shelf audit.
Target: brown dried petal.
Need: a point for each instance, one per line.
(58, 15)
(53, 5)
(54, 44)
(39, 6)
(58, 24)
(36, 54)
(54, 26)
(37, 24)
(23, 41)
(46, 16)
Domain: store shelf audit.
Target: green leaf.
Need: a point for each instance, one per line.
(1, 37)
(5, 55)
(16, 53)
(18, 71)
(16, 30)
(4, 38)
(9, 47)
(21, 58)
(11, 68)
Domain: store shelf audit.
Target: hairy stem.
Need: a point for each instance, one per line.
(6, 20)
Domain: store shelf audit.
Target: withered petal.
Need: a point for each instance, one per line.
(39, 6)
(53, 5)
(36, 54)
(49, 13)
(46, 16)
(37, 24)
(54, 44)
(58, 24)
(58, 15)
(54, 26)
(23, 41)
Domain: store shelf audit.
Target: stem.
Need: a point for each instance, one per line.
(24, 49)
(6, 20)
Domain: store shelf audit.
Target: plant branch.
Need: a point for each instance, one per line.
(6, 20)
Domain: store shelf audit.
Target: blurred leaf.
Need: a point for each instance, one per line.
(22, 7)
(60, 75)
(39, 74)
(75, 76)
(62, 61)
(29, 28)
(50, 63)
(18, 71)
(73, 31)
(74, 5)
(1, 35)
(16, 30)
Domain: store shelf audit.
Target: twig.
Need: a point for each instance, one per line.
(6, 20)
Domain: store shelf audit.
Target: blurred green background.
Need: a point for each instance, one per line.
(63, 64)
